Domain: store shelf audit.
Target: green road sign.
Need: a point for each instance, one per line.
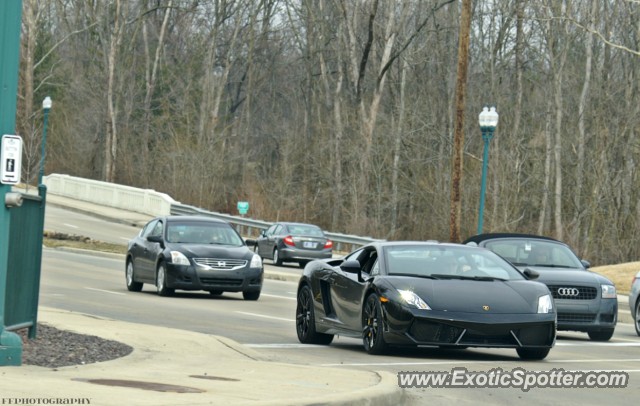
(243, 207)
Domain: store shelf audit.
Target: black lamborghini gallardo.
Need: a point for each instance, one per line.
(425, 293)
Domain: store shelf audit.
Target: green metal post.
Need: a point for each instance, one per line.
(487, 133)
(10, 24)
(44, 140)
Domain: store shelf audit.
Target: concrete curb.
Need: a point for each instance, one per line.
(278, 276)
(128, 222)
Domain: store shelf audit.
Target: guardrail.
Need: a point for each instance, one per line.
(145, 201)
(240, 222)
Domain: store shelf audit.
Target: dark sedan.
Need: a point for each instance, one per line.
(422, 293)
(193, 253)
(586, 301)
(293, 242)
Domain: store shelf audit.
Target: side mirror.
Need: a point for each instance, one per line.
(531, 274)
(586, 264)
(154, 238)
(262, 233)
(352, 266)
(251, 242)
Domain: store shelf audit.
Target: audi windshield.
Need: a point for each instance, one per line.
(523, 252)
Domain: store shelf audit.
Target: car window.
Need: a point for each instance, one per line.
(148, 228)
(157, 230)
(203, 233)
(447, 262)
(531, 252)
(270, 230)
(304, 229)
(278, 230)
(353, 256)
(376, 269)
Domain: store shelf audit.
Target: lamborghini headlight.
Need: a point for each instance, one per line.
(545, 304)
(413, 299)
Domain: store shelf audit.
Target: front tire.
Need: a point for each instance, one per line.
(252, 295)
(161, 281)
(533, 353)
(276, 258)
(132, 285)
(306, 320)
(637, 321)
(604, 335)
(372, 338)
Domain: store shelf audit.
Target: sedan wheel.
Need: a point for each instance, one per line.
(305, 320)
(604, 335)
(276, 258)
(372, 336)
(132, 286)
(251, 295)
(161, 282)
(637, 323)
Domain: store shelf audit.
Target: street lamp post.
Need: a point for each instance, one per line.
(488, 122)
(46, 105)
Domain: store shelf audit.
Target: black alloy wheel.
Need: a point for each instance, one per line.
(533, 353)
(130, 275)
(604, 335)
(276, 258)
(161, 281)
(637, 321)
(372, 335)
(305, 320)
(251, 295)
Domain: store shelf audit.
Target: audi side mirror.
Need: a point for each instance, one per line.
(531, 274)
(352, 266)
(586, 264)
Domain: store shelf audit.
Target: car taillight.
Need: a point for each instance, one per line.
(289, 241)
(329, 244)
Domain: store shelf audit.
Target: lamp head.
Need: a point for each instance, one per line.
(47, 103)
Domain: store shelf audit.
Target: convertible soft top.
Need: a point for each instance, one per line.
(483, 237)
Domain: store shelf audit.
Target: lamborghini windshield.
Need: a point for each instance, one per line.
(448, 262)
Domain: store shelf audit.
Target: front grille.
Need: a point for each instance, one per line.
(535, 335)
(480, 338)
(221, 264)
(427, 331)
(606, 318)
(221, 282)
(576, 318)
(584, 292)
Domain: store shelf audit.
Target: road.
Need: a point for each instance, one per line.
(96, 285)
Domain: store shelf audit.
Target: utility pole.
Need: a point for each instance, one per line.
(10, 24)
(458, 143)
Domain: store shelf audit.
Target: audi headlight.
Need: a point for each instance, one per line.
(608, 291)
(256, 262)
(413, 299)
(545, 304)
(178, 258)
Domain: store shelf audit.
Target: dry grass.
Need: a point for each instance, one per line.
(621, 275)
(92, 245)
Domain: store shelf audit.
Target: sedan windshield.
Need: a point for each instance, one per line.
(448, 262)
(203, 233)
(523, 252)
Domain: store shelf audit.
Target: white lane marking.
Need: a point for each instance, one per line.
(70, 225)
(281, 297)
(293, 293)
(107, 291)
(475, 362)
(53, 294)
(591, 344)
(285, 346)
(262, 315)
(125, 238)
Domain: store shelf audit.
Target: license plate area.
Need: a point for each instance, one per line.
(310, 244)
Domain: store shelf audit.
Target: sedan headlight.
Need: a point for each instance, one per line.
(413, 299)
(178, 258)
(545, 304)
(608, 291)
(256, 262)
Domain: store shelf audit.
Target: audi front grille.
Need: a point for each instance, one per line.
(573, 292)
(221, 264)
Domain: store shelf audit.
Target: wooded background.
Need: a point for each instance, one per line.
(341, 112)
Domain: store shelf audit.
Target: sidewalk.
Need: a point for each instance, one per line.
(208, 369)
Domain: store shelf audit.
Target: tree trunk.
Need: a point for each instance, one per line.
(547, 171)
(396, 152)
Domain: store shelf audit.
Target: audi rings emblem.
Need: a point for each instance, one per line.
(568, 292)
(222, 264)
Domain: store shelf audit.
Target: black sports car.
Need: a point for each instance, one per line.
(293, 242)
(193, 253)
(585, 300)
(425, 293)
